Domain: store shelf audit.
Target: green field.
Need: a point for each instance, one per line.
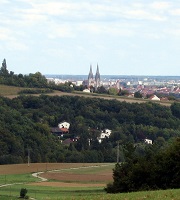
(90, 170)
(9, 90)
(12, 91)
(17, 178)
(55, 192)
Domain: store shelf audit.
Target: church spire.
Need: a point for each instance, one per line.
(90, 76)
(97, 77)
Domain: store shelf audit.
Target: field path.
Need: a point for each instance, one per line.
(5, 185)
(66, 178)
(36, 175)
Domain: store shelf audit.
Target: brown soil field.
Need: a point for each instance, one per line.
(61, 184)
(38, 167)
(100, 177)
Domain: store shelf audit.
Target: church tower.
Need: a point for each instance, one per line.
(90, 77)
(97, 78)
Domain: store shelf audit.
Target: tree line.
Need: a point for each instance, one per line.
(155, 170)
(36, 80)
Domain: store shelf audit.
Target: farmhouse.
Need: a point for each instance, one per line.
(148, 141)
(64, 124)
(63, 128)
(104, 134)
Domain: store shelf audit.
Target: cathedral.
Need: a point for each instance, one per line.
(94, 81)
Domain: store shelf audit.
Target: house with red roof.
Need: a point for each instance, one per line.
(63, 128)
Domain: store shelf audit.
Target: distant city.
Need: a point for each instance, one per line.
(146, 85)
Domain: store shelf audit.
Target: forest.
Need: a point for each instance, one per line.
(26, 121)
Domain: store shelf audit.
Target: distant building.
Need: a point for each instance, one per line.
(148, 141)
(94, 81)
(63, 128)
(86, 90)
(64, 125)
(104, 134)
(154, 98)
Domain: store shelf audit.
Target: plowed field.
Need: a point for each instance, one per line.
(38, 167)
(67, 177)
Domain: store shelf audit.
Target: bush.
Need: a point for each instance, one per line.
(23, 193)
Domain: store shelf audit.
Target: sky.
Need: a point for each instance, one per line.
(124, 37)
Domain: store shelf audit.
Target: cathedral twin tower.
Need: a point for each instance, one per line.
(94, 81)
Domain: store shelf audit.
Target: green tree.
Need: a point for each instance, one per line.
(113, 91)
(175, 108)
(23, 192)
(3, 70)
(156, 170)
(101, 90)
(123, 92)
(137, 95)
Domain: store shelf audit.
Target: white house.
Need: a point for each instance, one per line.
(64, 125)
(104, 134)
(155, 98)
(86, 90)
(148, 141)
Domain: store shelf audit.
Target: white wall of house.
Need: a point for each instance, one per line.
(148, 141)
(107, 131)
(155, 98)
(64, 125)
(104, 134)
(86, 90)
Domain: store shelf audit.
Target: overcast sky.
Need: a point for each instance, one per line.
(125, 37)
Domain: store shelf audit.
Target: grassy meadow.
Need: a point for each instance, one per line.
(12, 91)
(57, 189)
(9, 90)
(16, 178)
(78, 193)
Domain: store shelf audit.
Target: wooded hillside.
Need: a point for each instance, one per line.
(25, 123)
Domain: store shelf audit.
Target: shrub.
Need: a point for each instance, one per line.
(23, 192)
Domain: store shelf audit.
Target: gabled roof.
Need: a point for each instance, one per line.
(154, 97)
